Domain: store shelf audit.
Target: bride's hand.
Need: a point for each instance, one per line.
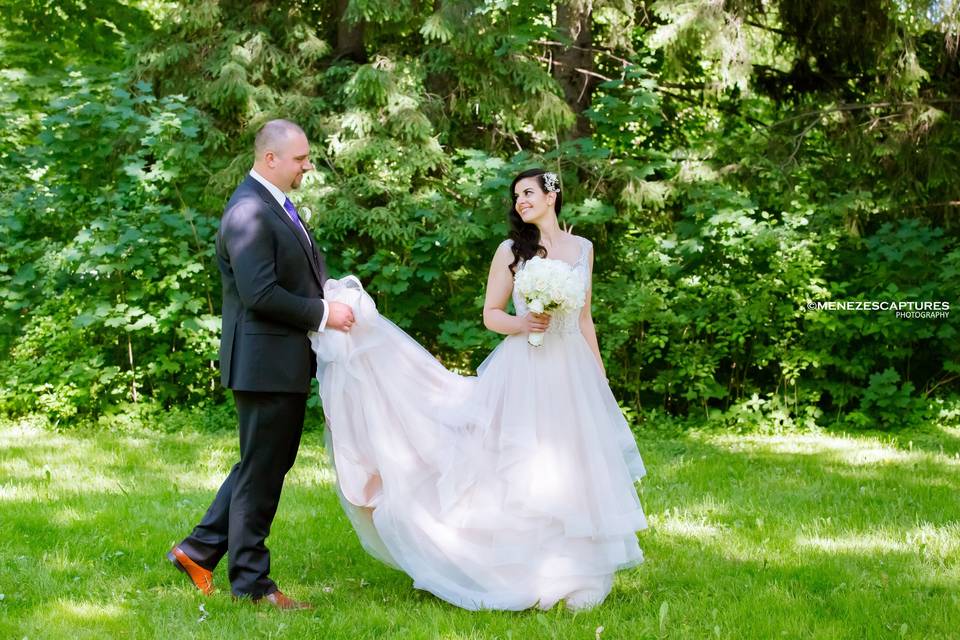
(535, 322)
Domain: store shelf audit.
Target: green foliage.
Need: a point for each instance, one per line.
(885, 400)
(107, 280)
(36, 35)
(745, 159)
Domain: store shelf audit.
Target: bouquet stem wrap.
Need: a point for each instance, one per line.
(533, 338)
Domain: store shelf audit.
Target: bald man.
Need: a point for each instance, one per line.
(273, 277)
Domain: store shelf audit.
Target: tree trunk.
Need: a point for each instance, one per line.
(349, 36)
(570, 64)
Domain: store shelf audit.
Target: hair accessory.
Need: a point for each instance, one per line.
(551, 182)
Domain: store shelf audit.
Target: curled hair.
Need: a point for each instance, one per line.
(526, 236)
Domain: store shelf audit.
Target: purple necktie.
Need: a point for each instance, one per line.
(292, 210)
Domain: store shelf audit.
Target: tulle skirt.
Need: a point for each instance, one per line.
(508, 490)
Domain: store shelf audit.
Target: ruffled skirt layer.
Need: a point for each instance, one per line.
(508, 490)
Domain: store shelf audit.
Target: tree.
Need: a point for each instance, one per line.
(731, 161)
(573, 65)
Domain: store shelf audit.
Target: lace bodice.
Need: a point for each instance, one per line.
(566, 322)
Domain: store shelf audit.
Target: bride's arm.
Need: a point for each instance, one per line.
(499, 288)
(586, 320)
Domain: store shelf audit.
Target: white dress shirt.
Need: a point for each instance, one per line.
(281, 199)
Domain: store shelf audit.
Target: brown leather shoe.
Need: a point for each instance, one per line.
(282, 602)
(201, 578)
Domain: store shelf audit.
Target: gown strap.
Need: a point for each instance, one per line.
(584, 249)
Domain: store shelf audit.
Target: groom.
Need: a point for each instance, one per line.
(273, 277)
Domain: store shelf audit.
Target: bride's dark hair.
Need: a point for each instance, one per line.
(526, 236)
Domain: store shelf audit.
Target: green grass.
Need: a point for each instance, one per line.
(790, 536)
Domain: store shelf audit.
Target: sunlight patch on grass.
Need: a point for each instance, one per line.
(17, 493)
(687, 529)
(38, 466)
(693, 521)
(877, 455)
(926, 540)
(67, 516)
(79, 472)
(16, 434)
(86, 611)
(753, 536)
(206, 480)
(862, 543)
(858, 451)
(940, 542)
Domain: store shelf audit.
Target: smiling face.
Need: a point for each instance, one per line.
(531, 202)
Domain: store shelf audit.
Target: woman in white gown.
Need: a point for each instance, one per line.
(508, 490)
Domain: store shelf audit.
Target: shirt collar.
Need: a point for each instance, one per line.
(272, 188)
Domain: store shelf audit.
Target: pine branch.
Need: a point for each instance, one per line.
(604, 50)
(585, 72)
(929, 205)
(853, 106)
(757, 124)
(779, 32)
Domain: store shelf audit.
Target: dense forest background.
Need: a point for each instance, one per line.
(731, 162)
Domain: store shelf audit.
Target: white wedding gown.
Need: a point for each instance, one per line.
(508, 490)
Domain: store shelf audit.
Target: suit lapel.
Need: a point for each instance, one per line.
(308, 247)
(317, 256)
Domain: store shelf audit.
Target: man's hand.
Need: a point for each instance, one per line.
(339, 316)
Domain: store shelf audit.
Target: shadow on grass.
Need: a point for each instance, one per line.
(935, 438)
(835, 537)
(822, 536)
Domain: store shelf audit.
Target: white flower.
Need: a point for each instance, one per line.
(550, 285)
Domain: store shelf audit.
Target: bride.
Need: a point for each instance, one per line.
(508, 490)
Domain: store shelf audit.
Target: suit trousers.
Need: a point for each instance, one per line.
(239, 519)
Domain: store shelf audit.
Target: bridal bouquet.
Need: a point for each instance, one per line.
(548, 286)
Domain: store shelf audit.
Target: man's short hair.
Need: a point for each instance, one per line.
(273, 134)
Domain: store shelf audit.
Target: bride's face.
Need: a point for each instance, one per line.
(530, 200)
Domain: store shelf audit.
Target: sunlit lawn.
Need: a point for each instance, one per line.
(791, 536)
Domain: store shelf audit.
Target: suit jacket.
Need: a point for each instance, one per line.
(272, 295)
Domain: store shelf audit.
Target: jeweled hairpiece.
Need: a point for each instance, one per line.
(551, 182)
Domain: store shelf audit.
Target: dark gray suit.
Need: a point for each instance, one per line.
(272, 296)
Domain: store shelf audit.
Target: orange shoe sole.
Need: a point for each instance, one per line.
(200, 577)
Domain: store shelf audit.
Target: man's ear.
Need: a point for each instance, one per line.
(270, 158)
